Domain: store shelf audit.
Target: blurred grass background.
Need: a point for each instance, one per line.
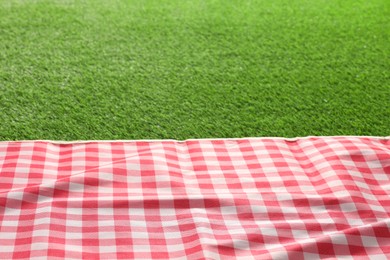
(90, 69)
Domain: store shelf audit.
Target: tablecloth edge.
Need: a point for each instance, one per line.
(288, 139)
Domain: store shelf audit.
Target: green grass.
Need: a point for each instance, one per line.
(193, 69)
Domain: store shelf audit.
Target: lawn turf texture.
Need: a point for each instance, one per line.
(72, 70)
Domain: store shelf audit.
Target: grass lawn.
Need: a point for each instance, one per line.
(180, 69)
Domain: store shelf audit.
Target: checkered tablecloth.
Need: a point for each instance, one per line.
(257, 198)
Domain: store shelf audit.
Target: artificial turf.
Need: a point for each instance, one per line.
(72, 70)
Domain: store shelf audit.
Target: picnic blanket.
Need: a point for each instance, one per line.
(253, 198)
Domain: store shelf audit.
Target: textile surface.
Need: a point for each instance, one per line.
(254, 198)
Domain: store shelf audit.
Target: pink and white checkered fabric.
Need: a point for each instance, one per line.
(260, 198)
